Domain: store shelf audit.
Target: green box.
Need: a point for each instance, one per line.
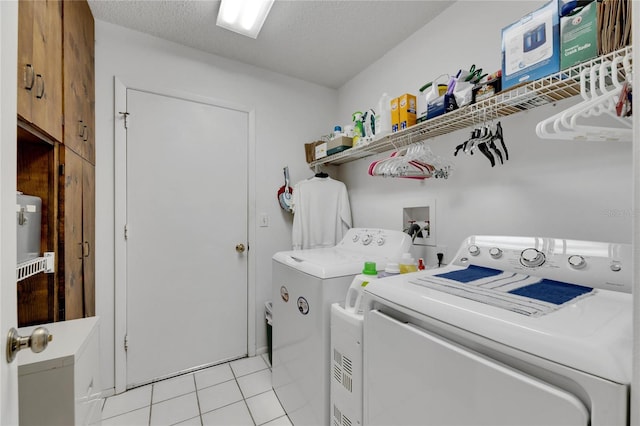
(579, 36)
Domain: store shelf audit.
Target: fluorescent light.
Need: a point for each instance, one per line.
(244, 17)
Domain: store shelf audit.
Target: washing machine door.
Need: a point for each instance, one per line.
(437, 382)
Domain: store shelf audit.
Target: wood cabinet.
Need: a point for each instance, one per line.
(37, 175)
(76, 228)
(56, 157)
(40, 66)
(79, 105)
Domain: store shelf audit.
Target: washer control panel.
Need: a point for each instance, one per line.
(594, 264)
(376, 241)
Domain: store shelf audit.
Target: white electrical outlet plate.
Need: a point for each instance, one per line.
(263, 220)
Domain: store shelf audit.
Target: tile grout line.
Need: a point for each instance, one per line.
(242, 394)
(151, 403)
(195, 384)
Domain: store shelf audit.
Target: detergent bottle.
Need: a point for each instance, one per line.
(353, 300)
(390, 270)
(407, 263)
(358, 128)
(383, 116)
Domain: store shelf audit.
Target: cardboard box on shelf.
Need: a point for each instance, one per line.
(530, 46)
(310, 150)
(579, 35)
(339, 144)
(395, 115)
(406, 110)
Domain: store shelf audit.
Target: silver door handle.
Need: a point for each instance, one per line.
(38, 342)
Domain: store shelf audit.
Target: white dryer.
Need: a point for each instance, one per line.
(516, 331)
(305, 284)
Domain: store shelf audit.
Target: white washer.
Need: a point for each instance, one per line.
(443, 352)
(305, 284)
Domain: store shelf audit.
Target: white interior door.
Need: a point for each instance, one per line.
(186, 208)
(8, 295)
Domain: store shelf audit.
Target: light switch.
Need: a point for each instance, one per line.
(263, 220)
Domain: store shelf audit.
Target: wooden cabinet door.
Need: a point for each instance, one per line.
(77, 228)
(71, 241)
(88, 234)
(26, 73)
(40, 65)
(79, 88)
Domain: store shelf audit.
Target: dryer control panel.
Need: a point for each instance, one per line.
(594, 264)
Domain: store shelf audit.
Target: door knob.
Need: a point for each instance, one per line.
(240, 248)
(38, 342)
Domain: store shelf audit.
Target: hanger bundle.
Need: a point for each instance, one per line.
(485, 139)
(415, 161)
(604, 94)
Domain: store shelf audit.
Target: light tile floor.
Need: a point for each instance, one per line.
(236, 393)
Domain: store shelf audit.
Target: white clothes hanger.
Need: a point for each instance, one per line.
(599, 100)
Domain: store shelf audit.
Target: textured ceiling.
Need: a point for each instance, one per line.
(321, 41)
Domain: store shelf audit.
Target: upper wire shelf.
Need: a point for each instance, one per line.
(553, 88)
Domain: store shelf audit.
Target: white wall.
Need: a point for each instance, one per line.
(547, 188)
(288, 113)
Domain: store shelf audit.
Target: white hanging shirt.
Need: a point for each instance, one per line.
(322, 214)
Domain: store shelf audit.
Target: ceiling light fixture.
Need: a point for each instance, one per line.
(244, 17)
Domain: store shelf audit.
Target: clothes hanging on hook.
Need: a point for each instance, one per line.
(322, 214)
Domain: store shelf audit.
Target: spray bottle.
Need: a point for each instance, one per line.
(358, 128)
(353, 300)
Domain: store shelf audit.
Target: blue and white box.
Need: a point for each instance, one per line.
(530, 46)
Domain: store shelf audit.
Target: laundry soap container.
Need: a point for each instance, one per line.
(28, 219)
(407, 263)
(354, 294)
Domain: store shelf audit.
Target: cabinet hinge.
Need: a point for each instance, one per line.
(126, 342)
(61, 169)
(125, 115)
(126, 232)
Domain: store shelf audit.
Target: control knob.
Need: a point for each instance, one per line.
(474, 250)
(381, 240)
(577, 262)
(531, 257)
(356, 237)
(616, 266)
(495, 252)
(366, 239)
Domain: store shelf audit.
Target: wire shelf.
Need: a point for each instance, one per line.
(35, 266)
(553, 88)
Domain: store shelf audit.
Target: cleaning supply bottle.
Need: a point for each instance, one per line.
(358, 128)
(421, 265)
(390, 270)
(407, 264)
(353, 300)
(383, 116)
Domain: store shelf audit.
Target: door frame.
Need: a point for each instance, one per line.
(120, 212)
(8, 169)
